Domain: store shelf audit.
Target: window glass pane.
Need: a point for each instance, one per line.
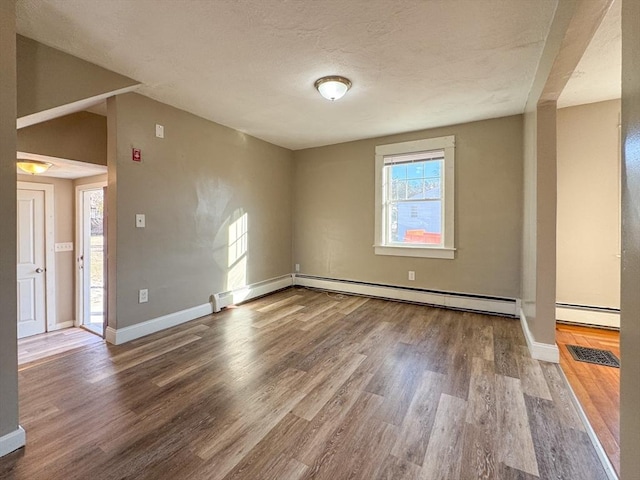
(398, 172)
(417, 222)
(415, 189)
(432, 188)
(416, 170)
(398, 189)
(393, 223)
(433, 168)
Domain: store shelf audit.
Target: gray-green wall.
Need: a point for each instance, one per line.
(8, 293)
(81, 136)
(334, 200)
(49, 78)
(191, 185)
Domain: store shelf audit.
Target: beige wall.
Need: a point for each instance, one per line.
(81, 136)
(63, 197)
(8, 293)
(630, 299)
(588, 230)
(49, 78)
(191, 186)
(334, 213)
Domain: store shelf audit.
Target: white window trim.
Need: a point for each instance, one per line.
(447, 250)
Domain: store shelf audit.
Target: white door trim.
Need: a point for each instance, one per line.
(80, 189)
(49, 249)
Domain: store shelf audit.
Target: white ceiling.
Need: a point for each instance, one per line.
(63, 168)
(598, 74)
(251, 64)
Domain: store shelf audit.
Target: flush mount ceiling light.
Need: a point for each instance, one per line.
(333, 87)
(34, 167)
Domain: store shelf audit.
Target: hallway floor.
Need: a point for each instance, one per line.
(597, 387)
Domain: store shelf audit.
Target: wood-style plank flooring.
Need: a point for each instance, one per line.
(49, 346)
(597, 387)
(305, 385)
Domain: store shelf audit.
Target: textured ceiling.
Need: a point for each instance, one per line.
(598, 75)
(251, 65)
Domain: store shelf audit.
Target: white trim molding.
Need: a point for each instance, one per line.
(12, 441)
(384, 155)
(459, 301)
(70, 108)
(118, 336)
(409, 251)
(231, 297)
(586, 315)
(546, 352)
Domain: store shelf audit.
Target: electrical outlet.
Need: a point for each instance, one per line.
(143, 295)
(412, 275)
(297, 267)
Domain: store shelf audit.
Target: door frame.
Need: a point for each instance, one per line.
(49, 250)
(80, 283)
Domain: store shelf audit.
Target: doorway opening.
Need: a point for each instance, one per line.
(91, 259)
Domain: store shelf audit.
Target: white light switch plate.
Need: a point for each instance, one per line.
(64, 247)
(140, 220)
(159, 131)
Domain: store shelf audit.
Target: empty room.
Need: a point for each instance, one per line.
(318, 239)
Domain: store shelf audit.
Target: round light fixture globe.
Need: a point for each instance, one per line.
(333, 87)
(34, 167)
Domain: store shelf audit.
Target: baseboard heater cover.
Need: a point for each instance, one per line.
(455, 301)
(603, 317)
(233, 297)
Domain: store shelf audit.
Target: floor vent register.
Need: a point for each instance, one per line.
(594, 355)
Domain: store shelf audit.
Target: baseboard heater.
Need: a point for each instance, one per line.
(601, 317)
(457, 301)
(231, 297)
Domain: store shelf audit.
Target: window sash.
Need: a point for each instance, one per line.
(389, 202)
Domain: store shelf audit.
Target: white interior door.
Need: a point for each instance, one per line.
(31, 263)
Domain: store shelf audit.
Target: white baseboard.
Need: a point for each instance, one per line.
(231, 297)
(60, 326)
(588, 316)
(546, 352)
(500, 306)
(126, 334)
(12, 441)
(602, 455)
(220, 300)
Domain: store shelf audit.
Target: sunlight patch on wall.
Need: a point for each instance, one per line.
(237, 256)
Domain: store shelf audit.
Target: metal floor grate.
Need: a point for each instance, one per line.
(594, 355)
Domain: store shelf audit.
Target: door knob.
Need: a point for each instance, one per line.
(39, 270)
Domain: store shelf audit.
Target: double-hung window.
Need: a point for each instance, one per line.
(414, 198)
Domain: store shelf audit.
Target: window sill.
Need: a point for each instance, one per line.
(411, 251)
